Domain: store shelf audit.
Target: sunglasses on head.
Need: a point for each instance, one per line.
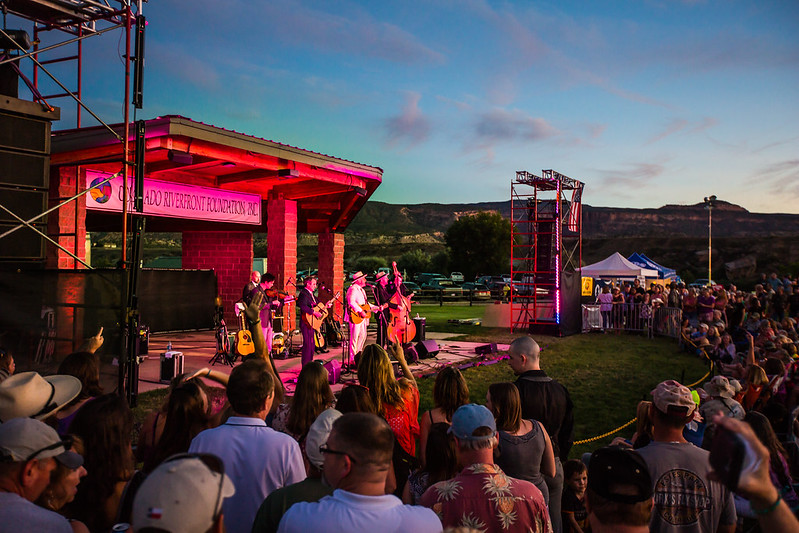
(214, 464)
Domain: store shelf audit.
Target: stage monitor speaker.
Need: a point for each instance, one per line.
(485, 349)
(333, 368)
(428, 348)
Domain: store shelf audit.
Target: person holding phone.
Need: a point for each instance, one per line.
(686, 499)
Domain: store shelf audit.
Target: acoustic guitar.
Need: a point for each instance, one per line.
(314, 322)
(244, 344)
(367, 308)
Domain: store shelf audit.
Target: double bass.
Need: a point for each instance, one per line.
(400, 324)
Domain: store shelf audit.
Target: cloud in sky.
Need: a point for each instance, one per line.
(500, 125)
(780, 179)
(682, 125)
(410, 127)
(626, 182)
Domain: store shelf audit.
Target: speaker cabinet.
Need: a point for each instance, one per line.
(428, 348)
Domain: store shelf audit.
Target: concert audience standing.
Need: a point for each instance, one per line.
(450, 391)
(686, 500)
(86, 367)
(572, 507)
(7, 364)
(185, 494)
(482, 496)
(312, 489)
(64, 481)
(312, 396)
(605, 300)
(104, 425)
(524, 450)
(355, 399)
(547, 401)
(357, 460)
(29, 394)
(397, 401)
(257, 458)
(440, 463)
(28, 449)
(619, 493)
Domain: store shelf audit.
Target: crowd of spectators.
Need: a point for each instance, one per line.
(251, 460)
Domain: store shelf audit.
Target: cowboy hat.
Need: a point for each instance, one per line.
(28, 394)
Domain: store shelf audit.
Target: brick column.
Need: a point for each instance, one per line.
(230, 254)
(281, 242)
(331, 266)
(67, 226)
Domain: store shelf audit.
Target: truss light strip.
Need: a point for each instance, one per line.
(557, 262)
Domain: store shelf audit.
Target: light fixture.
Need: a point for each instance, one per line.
(15, 40)
(288, 173)
(360, 191)
(181, 158)
(228, 164)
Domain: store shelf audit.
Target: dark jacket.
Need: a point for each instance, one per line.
(547, 401)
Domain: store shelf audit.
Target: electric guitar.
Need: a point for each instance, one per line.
(244, 344)
(313, 321)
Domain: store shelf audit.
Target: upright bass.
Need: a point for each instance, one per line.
(400, 325)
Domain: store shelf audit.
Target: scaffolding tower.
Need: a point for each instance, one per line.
(546, 244)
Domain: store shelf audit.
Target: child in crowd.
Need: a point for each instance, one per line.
(575, 517)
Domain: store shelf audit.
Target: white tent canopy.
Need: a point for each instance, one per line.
(616, 266)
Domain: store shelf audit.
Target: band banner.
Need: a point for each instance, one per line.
(174, 200)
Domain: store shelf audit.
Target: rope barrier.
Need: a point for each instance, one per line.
(634, 420)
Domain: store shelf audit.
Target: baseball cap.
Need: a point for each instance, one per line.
(619, 475)
(671, 394)
(468, 418)
(23, 439)
(318, 434)
(183, 494)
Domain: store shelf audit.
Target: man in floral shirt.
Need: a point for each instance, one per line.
(482, 496)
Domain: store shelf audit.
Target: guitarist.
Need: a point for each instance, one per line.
(383, 300)
(305, 303)
(356, 300)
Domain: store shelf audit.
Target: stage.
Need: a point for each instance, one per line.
(199, 347)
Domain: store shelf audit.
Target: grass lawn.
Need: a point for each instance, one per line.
(607, 375)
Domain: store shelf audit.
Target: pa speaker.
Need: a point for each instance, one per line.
(427, 349)
(333, 368)
(485, 349)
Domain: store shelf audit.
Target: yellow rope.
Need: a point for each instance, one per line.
(631, 422)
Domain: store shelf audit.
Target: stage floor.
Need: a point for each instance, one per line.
(199, 347)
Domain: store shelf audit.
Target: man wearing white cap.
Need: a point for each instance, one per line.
(686, 500)
(28, 451)
(482, 496)
(184, 494)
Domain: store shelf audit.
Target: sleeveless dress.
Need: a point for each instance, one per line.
(520, 456)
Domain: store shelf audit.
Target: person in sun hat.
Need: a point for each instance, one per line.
(482, 496)
(28, 452)
(619, 491)
(686, 499)
(28, 394)
(722, 394)
(183, 494)
(357, 315)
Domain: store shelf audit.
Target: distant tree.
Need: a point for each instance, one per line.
(369, 263)
(479, 243)
(414, 262)
(440, 262)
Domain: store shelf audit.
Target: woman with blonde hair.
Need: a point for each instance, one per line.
(643, 428)
(757, 391)
(395, 400)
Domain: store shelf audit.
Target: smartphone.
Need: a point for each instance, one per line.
(729, 456)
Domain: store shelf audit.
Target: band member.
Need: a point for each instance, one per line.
(269, 306)
(356, 299)
(251, 288)
(383, 293)
(398, 285)
(305, 303)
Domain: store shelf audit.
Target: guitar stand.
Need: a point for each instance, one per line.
(221, 357)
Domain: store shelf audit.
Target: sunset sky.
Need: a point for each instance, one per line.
(648, 102)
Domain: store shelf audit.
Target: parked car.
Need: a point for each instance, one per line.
(412, 287)
(702, 282)
(478, 290)
(494, 283)
(423, 278)
(456, 277)
(437, 285)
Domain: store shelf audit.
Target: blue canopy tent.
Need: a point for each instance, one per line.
(644, 262)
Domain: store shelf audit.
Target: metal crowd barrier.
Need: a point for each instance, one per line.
(640, 318)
